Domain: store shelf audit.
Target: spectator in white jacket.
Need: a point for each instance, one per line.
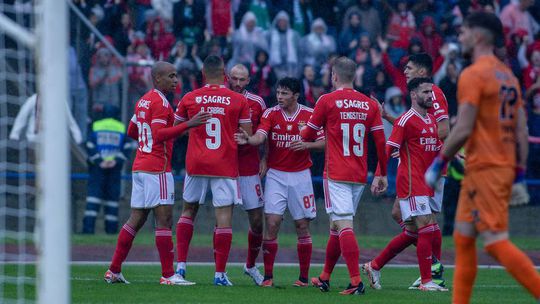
(27, 118)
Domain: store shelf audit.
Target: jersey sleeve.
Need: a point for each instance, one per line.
(314, 127)
(181, 114)
(377, 120)
(396, 138)
(245, 116)
(440, 105)
(469, 88)
(266, 123)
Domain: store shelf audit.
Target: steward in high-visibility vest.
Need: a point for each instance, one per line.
(106, 155)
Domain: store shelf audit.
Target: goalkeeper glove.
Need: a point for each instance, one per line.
(433, 173)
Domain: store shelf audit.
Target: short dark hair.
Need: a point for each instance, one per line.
(416, 82)
(422, 60)
(488, 22)
(290, 83)
(345, 69)
(213, 66)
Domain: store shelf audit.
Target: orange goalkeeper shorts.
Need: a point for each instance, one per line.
(484, 198)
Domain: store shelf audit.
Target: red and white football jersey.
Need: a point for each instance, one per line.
(212, 150)
(346, 116)
(440, 106)
(418, 143)
(281, 130)
(152, 112)
(248, 155)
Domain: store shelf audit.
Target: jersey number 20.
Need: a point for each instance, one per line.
(145, 137)
(358, 133)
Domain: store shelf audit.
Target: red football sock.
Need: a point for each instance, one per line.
(424, 252)
(333, 251)
(164, 245)
(123, 245)
(184, 233)
(437, 242)
(350, 253)
(304, 248)
(222, 247)
(394, 247)
(254, 246)
(270, 248)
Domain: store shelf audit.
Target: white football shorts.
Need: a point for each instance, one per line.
(437, 199)
(341, 199)
(150, 190)
(251, 192)
(293, 190)
(414, 206)
(225, 191)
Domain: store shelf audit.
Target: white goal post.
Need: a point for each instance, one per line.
(53, 170)
(49, 42)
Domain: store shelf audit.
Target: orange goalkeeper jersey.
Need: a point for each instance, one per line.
(490, 86)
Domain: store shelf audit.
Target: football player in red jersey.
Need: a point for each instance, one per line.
(288, 181)
(211, 163)
(346, 116)
(415, 137)
(421, 65)
(153, 184)
(251, 169)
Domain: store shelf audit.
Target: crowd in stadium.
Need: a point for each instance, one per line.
(297, 38)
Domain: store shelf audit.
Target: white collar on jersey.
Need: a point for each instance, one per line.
(426, 119)
(293, 117)
(209, 85)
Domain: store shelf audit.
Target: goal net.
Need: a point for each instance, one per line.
(34, 209)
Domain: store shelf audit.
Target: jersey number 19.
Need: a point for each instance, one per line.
(358, 133)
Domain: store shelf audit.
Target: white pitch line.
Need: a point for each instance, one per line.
(105, 263)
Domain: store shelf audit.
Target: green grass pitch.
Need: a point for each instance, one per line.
(87, 286)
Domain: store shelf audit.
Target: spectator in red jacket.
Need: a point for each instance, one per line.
(159, 40)
(431, 40)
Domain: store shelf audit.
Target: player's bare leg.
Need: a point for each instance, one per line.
(222, 243)
(499, 247)
(184, 233)
(128, 232)
(350, 253)
(255, 238)
(270, 246)
(333, 252)
(304, 248)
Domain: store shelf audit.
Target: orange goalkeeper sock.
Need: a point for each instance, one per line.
(517, 264)
(466, 268)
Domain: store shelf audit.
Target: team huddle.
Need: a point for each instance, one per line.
(235, 141)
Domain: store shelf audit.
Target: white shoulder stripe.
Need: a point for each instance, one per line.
(134, 118)
(258, 99)
(405, 117)
(393, 144)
